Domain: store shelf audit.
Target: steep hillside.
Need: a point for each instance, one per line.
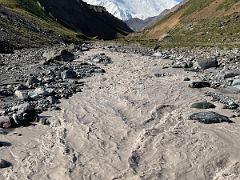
(200, 23)
(32, 23)
(93, 21)
(21, 27)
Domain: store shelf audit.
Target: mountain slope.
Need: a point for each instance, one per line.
(200, 23)
(33, 23)
(129, 9)
(137, 24)
(90, 20)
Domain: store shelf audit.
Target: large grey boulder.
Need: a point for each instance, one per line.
(206, 63)
(209, 117)
(236, 82)
(5, 122)
(38, 92)
(25, 114)
(58, 55)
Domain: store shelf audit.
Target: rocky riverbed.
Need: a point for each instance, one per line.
(119, 112)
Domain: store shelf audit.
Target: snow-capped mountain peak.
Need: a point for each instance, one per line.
(127, 9)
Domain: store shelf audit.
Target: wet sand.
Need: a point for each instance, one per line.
(127, 124)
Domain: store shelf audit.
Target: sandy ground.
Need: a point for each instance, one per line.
(127, 124)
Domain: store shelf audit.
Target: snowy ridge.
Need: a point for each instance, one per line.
(128, 9)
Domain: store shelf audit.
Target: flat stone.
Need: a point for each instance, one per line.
(203, 105)
(199, 84)
(231, 74)
(4, 164)
(230, 90)
(209, 117)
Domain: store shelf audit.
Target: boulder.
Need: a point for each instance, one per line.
(236, 82)
(67, 74)
(6, 92)
(186, 79)
(23, 95)
(25, 114)
(231, 74)
(203, 105)
(231, 105)
(206, 63)
(181, 64)
(32, 80)
(59, 55)
(237, 87)
(5, 122)
(101, 58)
(209, 117)
(38, 92)
(4, 164)
(52, 100)
(199, 84)
(6, 47)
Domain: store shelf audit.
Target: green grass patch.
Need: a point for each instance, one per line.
(227, 4)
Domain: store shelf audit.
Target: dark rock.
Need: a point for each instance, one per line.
(187, 79)
(3, 131)
(4, 164)
(52, 100)
(44, 121)
(5, 122)
(68, 74)
(199, 84)
(209, 117)
(21, 87)
(32, 81)
(231, 74)
(6, 48)
(206, 63)
(203, 105)
(4, 144)
(231, 105)
(6, 92)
